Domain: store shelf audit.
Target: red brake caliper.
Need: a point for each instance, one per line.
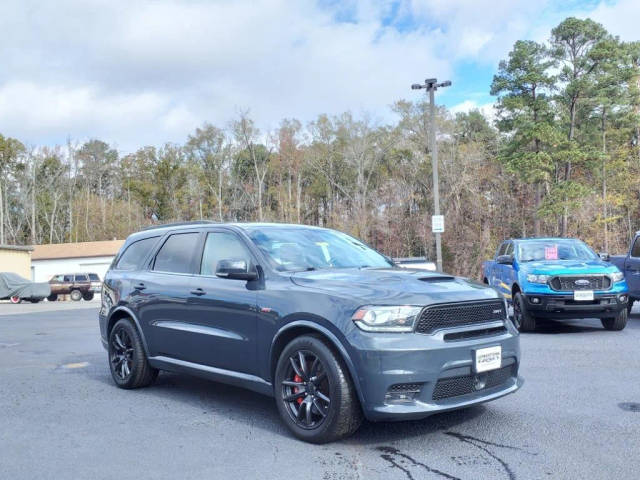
(297, 378)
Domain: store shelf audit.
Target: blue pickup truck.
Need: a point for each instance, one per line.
(558, 278)
(629, 265)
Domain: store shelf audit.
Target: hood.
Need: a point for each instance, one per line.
(394, 286)
(568, 267)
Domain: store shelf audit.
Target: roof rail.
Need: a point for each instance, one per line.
(178, 224)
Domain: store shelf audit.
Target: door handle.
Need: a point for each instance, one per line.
(140, 286)
(198, 292)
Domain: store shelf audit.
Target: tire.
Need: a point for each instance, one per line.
(338, 418)
(76, 295)
(629, 307)
(127, 360)
(522, 318)
(616, 323)
(35, 300)
(87, 296)
(15, 299)
(53, 297)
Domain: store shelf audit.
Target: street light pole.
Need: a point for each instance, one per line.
(431, 85)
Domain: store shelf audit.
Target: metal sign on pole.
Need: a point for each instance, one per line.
(437, 223)
(431, 85)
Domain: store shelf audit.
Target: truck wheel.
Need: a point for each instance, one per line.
(629, 307)
(314, 392)
(34, 300)
(76, 295)
(53, 297)
(616, 323)
(15, 299)
(522, 318)
(88, 296)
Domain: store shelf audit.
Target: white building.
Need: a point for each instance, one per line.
(83, 257)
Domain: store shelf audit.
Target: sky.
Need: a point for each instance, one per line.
(137, 73)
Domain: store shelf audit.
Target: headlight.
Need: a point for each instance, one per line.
(533, 278)
(617, 276)
(386, 319)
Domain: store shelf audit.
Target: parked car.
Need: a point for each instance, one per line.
(629, 264)
(558, 278)
(415, 262)
(314, 317)
(77, 285)
(15, 288)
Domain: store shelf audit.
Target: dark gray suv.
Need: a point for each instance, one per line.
(317, 319)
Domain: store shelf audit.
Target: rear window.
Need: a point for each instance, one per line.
(82, 278)
(94, 277)
(135, 254)
(176, 253)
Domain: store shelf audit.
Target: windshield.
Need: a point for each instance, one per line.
(298, 249)
(554, 250)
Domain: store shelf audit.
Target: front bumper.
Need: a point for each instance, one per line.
(441, 371)
(563, 306)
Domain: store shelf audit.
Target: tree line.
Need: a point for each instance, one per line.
(561, 158)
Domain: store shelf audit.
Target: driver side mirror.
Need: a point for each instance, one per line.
(505, 259)
(235, 269)
(605, 257)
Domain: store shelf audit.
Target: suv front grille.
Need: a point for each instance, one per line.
(459, 314)
(466, 384)
(581, 282)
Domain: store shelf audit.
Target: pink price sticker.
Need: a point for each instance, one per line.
(551, 253)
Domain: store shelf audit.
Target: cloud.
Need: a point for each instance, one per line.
(487, 109)
(620, 18)
(144, 72)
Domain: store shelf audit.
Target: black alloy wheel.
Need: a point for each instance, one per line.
(127, 359)
(314, 392)
(306, 390)
(121, 356)
(517, 315)
(522, 318)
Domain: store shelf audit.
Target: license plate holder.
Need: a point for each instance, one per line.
(489, 358)
(583, 295)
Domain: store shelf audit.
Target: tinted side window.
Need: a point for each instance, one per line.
(176, 253)
(94, 277)
(68, 278)
(222, 246)
(635, 251)
(502, 248)
(135, 253)
(82, 278)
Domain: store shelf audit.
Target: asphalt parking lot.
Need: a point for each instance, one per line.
(61, 416)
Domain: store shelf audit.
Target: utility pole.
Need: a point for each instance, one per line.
(437, 221)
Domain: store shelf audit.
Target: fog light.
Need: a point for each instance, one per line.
(402, 393)
(622, 298)
(535, 300)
